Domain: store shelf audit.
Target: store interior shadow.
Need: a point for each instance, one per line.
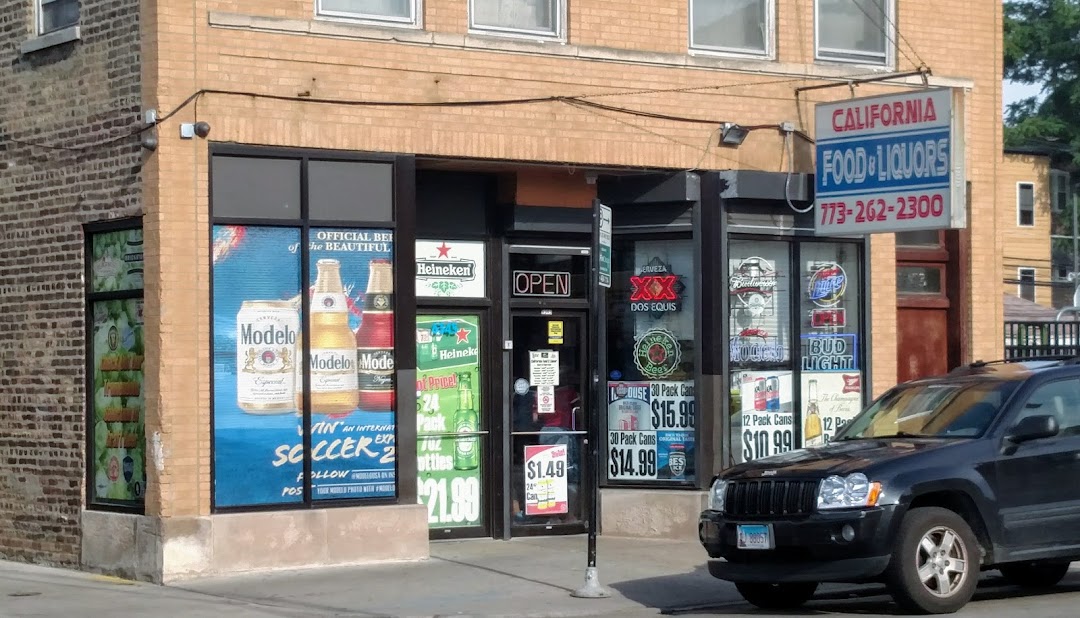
(676, 595)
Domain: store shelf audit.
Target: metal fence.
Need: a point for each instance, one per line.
(1038, 339)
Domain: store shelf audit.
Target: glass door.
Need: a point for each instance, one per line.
(550, 485)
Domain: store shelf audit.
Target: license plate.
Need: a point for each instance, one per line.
(754, 536)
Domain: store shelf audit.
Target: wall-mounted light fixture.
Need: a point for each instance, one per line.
(149, 138)
(189, 130)
(732, 134)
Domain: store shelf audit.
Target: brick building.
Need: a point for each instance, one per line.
(329, 145)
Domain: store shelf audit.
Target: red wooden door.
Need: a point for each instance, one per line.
(922, 343)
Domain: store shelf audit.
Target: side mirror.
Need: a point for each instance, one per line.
(1033, 428)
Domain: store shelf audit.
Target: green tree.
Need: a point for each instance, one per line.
(1042, 47)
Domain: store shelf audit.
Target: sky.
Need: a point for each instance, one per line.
(1014, 92)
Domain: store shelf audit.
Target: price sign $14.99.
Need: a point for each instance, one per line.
(632, 455)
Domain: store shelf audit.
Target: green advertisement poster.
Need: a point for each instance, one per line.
(448, 419)
(117, 261)
(119, 432)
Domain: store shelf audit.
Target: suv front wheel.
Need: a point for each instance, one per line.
(935, 566)
(1035, 574)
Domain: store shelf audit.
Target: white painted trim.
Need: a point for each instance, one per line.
(892, 41)
(1019, 285)
(559, 33)
(416, 21)
(1033, 209)
(770, 38)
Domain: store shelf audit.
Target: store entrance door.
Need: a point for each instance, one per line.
(550, 485)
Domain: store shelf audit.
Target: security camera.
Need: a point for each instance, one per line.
(202, 128)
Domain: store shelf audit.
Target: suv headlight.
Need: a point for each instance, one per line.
(853, 491)
(716, 495)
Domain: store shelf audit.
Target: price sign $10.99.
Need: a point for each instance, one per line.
(758, 443)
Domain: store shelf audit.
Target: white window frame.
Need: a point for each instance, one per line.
(770, 38)
(39, 17)
(414, 21)
(559, 33)
(1058, 177)
(1020, 272)
(1019, 223)
(890, 37)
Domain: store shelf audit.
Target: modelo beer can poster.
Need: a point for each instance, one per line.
(448, 420)
(767, 420)
(259, 367)
(651, 431)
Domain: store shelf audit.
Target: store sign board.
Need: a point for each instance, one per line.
(541, 283)
(891, 163)
(449, 269)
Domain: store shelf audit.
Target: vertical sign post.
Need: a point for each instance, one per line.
(601, 280)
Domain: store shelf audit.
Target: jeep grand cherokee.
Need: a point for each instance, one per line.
(935, 481)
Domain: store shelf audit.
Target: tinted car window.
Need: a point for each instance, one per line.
(1060, 399)
(962, 409)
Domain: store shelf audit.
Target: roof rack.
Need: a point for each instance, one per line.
(1070, 359)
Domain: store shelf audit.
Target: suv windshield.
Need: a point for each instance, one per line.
(961, 409)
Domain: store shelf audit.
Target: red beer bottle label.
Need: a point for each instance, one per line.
(375, 340)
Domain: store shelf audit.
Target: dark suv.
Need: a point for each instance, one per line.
(935, 481)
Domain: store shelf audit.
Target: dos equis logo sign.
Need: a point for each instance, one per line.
(655, 289)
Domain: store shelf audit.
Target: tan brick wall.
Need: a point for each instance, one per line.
(1027, 247)
(957, 40)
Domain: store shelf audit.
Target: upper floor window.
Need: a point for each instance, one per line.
(1025, 204)
(524, 17)
(1025, 287)
(53, 15)
(392, 11)
(854, 30)
(732, 26)
(1059, 190)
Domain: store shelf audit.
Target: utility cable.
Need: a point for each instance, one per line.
(895, 25)
(885, 30)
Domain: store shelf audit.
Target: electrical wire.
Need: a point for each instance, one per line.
(896, 26)
(884, 30)
(789, 141)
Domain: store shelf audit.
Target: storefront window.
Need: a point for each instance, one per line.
(759, 302)
(831, 379)
(117, 453)
(651, 349)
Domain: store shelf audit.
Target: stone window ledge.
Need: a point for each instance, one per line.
(559, 49)
(52, 39)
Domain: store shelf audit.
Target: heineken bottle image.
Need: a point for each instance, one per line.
(332, 364)
(466, 420)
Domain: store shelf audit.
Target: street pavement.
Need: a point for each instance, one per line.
(523, 577)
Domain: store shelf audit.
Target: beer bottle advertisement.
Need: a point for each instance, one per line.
(258, 443)
(766, 423)
(351, 366)
(448, 419)
(118, 429)
(837, 398)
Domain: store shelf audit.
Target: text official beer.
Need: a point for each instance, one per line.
(374, 344)
(266, 337)
(332, 364)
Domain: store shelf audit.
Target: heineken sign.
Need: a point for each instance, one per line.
(450, 269)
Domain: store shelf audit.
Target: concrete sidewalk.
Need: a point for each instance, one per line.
(523, 577)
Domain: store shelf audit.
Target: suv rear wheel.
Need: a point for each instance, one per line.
(777, 596)
(935, 566)
(1035, 574)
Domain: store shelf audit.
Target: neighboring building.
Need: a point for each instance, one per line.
(1036, 191)
(426, 170)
